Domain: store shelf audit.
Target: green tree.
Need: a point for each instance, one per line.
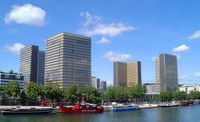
(166, 96)
(194, 95)
(72, 93)
(33, 91)
(121, 94)
(92, 94)
(1, 88)
(109, 94)
(53, 92)
(180, 95)
(23, 98)
(41, 92)
(12, 89)
(140, 91)
(2, 94)
(137, 92)
(132, 93)
(11, 72)
(155, 98)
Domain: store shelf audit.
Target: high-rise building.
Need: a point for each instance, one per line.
(103, 86)
(96, 82)
(127, 74)
(133, 73)
(166, 72)
(120, 74)
(32, 64)
(28, 63)
(40, 67)
(99, 84)
(68, 60)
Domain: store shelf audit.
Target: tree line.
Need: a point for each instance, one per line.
(178, 95)
(124, 94)
(34, 92)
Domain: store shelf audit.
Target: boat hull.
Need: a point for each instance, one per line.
(168, 106)
(72, 110)
(25, 112)
(123, 109)
(28, 110)
(184, 103)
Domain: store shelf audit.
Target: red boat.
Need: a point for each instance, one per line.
(82, 108)
(78, 108)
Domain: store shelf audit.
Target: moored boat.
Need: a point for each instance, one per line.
(196, 102)
(147, 106)
(168, 104)
(82, 107)
(184, 103)
(123, 108)
(106, 108)
(191, 102)
(79, 108)
(27, 110)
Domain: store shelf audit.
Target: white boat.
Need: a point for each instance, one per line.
(169, 104)
(146, 106)
(122, 107)
(29, 110)
(106, 108)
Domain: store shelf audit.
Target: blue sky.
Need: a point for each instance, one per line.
(122, 30)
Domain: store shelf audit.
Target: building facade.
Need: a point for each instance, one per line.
(28, 63)
(188, 88)
(120, 74)
(96, 82)
(103, 86)
(133, 73)
(40, 67)
(32, 62)
(68, 60)
(166, 72)
(151, 88)
(5, 78)
(127, 74)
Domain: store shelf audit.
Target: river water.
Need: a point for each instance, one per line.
(173, 114)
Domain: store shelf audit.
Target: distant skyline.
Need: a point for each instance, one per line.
(123, 30)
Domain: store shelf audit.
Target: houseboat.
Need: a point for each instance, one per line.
(29, 110)
(122, 107)
(184, 103)
(169, 104)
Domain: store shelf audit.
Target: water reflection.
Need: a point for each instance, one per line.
(167, 114)
(174, 114)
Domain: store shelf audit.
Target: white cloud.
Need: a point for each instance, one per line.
(26, 14)
(113, 29)
(196, 75)
(182, 77)
(89, 19)
(195, 35)
(103, 40)
(112, 56)
(15, 48)
(153, 58)
(92, 26)
(181, 48)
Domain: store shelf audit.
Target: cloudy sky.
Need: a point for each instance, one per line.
(122, 30)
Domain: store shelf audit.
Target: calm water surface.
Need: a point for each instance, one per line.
(174, 114)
